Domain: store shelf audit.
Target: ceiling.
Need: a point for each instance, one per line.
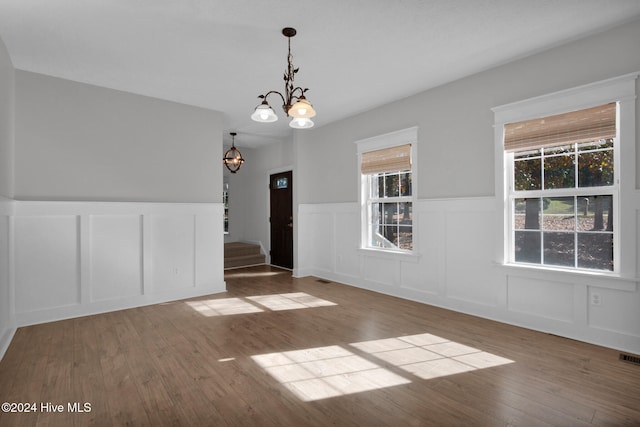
(354, 55)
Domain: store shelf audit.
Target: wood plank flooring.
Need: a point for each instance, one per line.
(278, 351)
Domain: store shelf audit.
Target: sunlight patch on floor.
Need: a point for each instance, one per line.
(223, 307)
(290, 301)
(429, 356)
(324, 372)
(257, 304)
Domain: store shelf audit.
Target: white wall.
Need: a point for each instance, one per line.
(78, 258)
(6, 192)
(457, 231)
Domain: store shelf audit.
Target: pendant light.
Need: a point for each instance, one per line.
(233, 158)
(294, 104)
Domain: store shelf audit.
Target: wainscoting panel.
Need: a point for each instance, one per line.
(47, 269)
(465, 261)
(457, 266)
(7, 324)
(322, 239)
(116, 256)
(209, 266)
(532, 297)
(380, 272)
(347, 226)
(602, 300)
(172, 249)
(79, 258)
(427, 273)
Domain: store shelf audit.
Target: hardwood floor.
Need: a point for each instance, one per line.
(278, 351)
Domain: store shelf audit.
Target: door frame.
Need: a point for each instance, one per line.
(294, 213)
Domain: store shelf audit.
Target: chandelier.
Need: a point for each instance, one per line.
(294, 103)
(232, 158)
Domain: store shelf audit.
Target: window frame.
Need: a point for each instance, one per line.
(389, 140)
(620, 89)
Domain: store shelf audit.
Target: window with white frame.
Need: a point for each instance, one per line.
(568, 178)
(562, 190)
(388, 191)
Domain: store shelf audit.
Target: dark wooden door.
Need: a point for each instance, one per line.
(281, 218)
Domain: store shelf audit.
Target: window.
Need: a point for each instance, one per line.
(568, 178)
(562, 189)
(388, 191)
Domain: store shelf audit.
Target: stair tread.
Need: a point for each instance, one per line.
(239, 254)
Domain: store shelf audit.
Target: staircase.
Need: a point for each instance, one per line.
(239, 254)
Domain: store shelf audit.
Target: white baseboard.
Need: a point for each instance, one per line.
(69, 312)
(5, 340)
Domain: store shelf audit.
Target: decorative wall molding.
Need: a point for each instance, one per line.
(79, 258)
(456, 269)
(7, 320)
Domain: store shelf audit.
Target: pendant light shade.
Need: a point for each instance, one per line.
(302, 109)
(301, 123)
(233, 158)
(264, 113)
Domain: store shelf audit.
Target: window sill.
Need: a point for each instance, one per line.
(388, 254)
(578, 277)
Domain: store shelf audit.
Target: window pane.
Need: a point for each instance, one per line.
(389, 213)
(527, 214)
(527, 174)
(406, 213)
(596, 214)
(527, 247)
(558, 213)
(559, 249)
(595, 251)
(595, 168)
(377, 186)
(390, 232)
(377, 214)
(559, 172)
(405, 240)
(392, 185)
(405, 184)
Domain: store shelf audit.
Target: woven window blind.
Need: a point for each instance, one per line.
(391, 159)
(591, 124)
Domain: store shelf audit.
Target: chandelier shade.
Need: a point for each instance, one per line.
(264, 113)
(301, 123)
(233, 158)
(294, 103)
(302, 108)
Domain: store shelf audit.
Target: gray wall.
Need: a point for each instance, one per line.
(455, 141)
(80, 142)
(7, 74)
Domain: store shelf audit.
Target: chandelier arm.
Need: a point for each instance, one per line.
(273, 91)
(294, 96)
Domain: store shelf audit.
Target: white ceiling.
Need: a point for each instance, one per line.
(353, 55)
